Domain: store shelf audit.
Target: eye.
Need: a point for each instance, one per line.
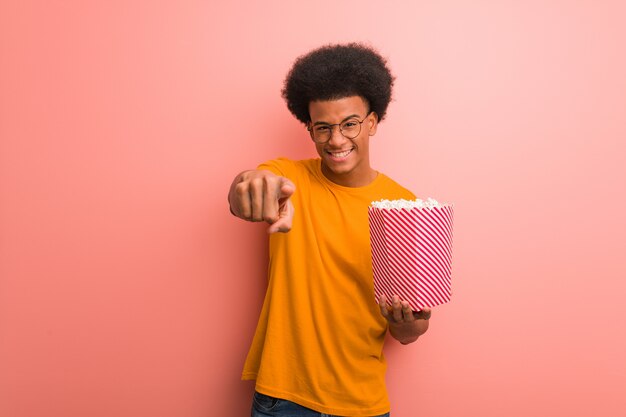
(322, 128)
(349, 124)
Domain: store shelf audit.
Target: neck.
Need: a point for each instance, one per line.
(352, 179)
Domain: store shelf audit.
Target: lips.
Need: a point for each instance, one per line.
(339, 155)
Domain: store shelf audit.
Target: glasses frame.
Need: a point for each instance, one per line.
(310, 129)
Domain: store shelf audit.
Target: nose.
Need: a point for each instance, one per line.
(336, 137)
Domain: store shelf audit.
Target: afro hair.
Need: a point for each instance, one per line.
(337, 71)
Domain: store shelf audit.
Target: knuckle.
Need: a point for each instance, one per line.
(256, 183)
(257, 215)
(241, 188)
(270, 179)
(271, 185)
(270, 218)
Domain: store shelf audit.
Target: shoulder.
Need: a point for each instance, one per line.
(289, 168)
(394, 189)
(278, 166)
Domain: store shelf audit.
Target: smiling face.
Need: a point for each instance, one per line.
(345, 161)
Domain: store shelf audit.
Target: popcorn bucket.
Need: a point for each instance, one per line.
(411, 245)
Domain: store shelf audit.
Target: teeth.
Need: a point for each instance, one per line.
(341, 154)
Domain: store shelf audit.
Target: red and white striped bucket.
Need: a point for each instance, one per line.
(412, 254)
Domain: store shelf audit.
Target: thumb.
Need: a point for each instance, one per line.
(286, 189)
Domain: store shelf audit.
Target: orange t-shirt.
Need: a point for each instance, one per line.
(319, 340)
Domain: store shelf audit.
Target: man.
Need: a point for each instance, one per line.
(318, 347)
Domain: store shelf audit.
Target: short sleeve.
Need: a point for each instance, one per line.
(280, 166)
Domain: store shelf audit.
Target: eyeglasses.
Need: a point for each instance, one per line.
(350, 129)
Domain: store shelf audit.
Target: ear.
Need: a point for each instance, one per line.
(373, 120)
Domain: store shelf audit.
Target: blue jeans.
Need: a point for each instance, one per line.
(266, 406)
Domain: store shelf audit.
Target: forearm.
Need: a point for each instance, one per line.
(409, 332)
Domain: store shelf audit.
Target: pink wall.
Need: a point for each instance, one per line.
(127, 289)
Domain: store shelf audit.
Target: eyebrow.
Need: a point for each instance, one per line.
(326, 123)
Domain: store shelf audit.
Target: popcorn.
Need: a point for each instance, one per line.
(411, 243)
(406, 204)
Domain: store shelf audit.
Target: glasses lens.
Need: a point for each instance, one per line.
(351, 128)
(321, 133)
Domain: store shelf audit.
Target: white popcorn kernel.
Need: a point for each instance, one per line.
(408, 204)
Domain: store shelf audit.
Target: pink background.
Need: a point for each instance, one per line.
(127, 289)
